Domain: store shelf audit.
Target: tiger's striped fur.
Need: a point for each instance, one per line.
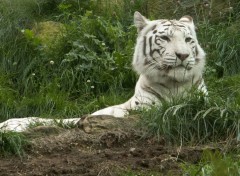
(168, 59)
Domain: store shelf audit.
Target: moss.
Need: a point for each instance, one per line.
(49, 32)
(234, 28)
(174, 10)
(227, 87)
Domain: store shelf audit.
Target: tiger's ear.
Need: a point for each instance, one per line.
(139, 21)
(188, 20)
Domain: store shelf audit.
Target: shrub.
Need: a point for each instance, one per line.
(214, 163)
(95, 55)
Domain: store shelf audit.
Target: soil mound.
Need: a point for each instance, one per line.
(100, 145)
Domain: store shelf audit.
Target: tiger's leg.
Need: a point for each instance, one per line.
(22, 124)
(116, 111)
(140, 100)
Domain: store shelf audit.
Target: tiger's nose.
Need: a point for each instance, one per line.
(182, 56)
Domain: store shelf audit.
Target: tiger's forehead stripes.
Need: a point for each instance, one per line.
(168, 27)
(151, 28)
(163, 25)
(154, 27)
(164, 21)
(178, 26)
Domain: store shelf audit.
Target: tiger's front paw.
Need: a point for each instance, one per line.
(112, 111)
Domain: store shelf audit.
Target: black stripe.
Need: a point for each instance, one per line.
(196, 51)
(180, 25)
(144, 45)
(146, 62)
(157, 38)
(199, 81)
(159, 50)
(153, 92)
(163, 22)
(150, 45)
(155, 50)
(154, 27)
(152, 50)
(166, 29)
(164, 49)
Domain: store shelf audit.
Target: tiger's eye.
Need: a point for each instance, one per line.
(164, 37)
(188, 39)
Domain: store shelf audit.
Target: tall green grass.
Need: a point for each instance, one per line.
(64, 78)
(214, 163)
(195, 120)
(13, 143)
(192, 122)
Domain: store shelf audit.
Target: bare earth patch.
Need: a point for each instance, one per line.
(100, 146)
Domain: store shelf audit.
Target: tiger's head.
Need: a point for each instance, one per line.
(167, 48)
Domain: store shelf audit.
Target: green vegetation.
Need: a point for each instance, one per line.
(214, 163)
(48, 77)
(13, 143)
(192, 121)
(70, 58)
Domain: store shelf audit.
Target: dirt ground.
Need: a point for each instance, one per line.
(99, 146)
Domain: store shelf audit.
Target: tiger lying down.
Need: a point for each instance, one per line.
(168, 59)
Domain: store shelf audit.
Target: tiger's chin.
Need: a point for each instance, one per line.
(182, 67)
(179, 73)
(178, 67)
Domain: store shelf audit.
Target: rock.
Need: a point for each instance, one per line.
(103, 123)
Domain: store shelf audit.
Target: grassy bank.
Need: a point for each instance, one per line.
(70, 58)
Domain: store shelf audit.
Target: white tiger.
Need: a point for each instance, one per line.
(168, 59)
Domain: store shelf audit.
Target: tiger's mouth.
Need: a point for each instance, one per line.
(184, 67)
(181, 66)
(170, 63)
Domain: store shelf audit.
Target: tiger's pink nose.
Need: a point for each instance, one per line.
(181, 56)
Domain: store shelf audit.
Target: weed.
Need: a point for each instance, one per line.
(213, 163)
(58, 122)
(13, 143)
(190, 120)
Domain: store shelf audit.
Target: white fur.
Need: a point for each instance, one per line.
(22, 124)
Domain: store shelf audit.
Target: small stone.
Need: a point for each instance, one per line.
(132, 149)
